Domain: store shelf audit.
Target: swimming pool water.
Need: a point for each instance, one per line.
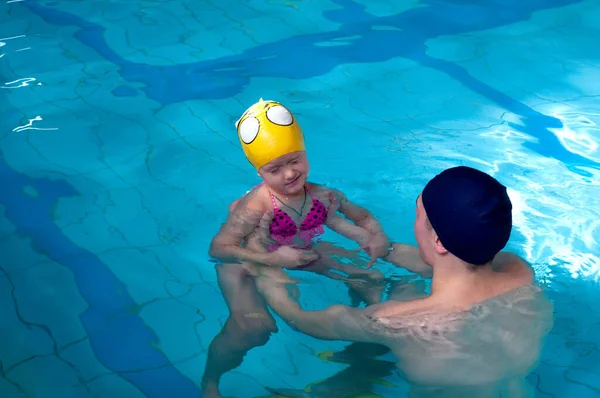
(118, 158)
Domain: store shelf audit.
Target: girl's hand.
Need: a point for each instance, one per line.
(376, 246)
(285, 256)
(262, 230)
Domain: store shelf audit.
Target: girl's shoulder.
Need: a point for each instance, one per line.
(323, 191)
(315, 188)
(320, 191)
(256, 198)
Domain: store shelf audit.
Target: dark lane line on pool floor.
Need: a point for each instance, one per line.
(121, 340)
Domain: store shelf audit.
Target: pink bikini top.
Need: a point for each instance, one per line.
(283, 229)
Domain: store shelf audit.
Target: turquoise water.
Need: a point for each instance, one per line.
(118, 158)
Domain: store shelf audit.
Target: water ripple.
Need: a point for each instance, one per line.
(3, 43)
(579, 133)
(29, 126)
(23, 82)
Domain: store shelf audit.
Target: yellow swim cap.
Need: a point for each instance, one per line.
(268, 130)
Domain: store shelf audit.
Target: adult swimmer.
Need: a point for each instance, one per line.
(481, 329)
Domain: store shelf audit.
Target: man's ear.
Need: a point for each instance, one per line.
(438, 245)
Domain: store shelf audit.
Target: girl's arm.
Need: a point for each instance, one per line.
(243, 219)
(347, 229)
(376, 241)
(358, 214)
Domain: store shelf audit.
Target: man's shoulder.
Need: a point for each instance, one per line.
(513, 265)
(393, 308)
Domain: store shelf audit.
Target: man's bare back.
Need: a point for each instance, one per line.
(480, 351)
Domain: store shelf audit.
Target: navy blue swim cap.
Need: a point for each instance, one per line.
(471, 213)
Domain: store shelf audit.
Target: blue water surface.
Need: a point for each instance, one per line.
(119, 157)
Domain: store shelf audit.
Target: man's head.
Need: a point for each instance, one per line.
(464, 213)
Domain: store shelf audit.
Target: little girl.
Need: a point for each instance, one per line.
(273, 142)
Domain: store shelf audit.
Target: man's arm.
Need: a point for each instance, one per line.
(337, 322)
(407, 256)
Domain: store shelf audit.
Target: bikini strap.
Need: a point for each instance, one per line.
(311, 195)
(273, 200)
(254, 187)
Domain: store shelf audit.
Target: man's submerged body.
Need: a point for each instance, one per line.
(483, 348)
(484, 351)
